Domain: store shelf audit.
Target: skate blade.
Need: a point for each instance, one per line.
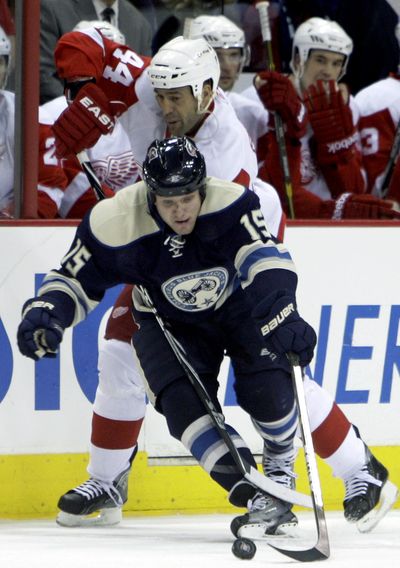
(388, 498)
(103, 518)
(256, 531)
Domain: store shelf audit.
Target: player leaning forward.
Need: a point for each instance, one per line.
(219, 289)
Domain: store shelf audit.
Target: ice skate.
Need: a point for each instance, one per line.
(94, 502)
(369, 494)
(268, 515)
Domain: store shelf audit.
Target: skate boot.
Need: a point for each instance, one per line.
(268, 515)
(369, 494)
(94, 496)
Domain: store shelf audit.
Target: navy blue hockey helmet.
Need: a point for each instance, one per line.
(174, 166)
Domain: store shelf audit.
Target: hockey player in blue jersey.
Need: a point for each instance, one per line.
(221, 283)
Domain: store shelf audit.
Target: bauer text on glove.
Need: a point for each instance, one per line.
(282, 328)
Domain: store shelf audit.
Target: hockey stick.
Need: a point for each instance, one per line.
(248, 471)
(94, 181)
(320, 551)
(388, 171)
(262, 8)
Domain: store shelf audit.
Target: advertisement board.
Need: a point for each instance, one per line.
(348, 290)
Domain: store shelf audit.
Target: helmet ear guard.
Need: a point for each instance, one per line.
(174, 167)
(317, 33)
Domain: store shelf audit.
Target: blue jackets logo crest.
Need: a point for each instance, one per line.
(196, 291)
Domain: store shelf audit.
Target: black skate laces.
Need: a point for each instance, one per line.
(93, 488)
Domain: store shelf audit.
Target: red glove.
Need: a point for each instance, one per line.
(353, 206)
(81, 124)
(332, 122)
(278, 94)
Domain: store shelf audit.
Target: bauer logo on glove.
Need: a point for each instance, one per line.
(277, 320)
(283, 329)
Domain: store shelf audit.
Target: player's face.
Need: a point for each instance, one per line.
(321, 65)
(179, 109)
(229, 61)
(3, 69)
(179, 212)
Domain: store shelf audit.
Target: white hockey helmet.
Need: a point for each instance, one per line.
(317, 33)
(5, 51)
(108, 30)
(220, 33)
(185, 63)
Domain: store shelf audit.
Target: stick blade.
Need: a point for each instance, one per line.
(309, 555)
(321, 549)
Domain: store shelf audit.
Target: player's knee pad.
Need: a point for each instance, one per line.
(266, 396)
(118, 372)
(120, 394)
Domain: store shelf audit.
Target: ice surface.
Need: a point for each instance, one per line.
(183, 542)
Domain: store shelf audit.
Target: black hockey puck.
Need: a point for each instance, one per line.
(244, 548)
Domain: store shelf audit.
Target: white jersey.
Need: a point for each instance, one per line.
(252, 114)
(7, 112)
(271, 207)
(251, 93)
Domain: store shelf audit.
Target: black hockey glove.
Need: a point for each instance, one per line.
(40, 331)
(283, 330)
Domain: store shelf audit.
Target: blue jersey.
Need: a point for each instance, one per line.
(123, 240)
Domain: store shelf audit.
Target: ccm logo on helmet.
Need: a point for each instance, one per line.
(94, 109)
(277, 320)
